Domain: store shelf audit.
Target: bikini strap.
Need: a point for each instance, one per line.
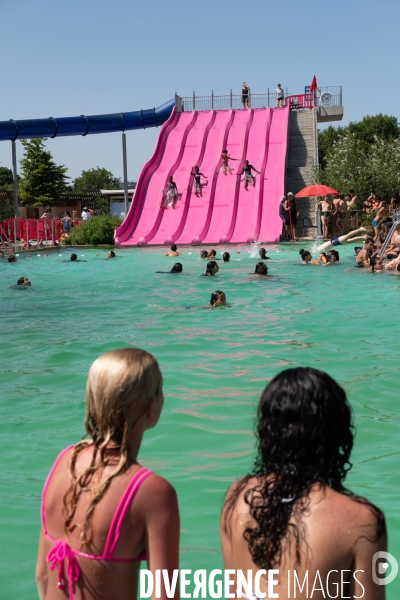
(122, 509)
(46, 485)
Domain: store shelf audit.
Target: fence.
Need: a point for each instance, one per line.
(324, 96)
(26, 233)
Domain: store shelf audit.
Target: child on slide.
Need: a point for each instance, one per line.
(171, 192)
(225, 162)
(102, 512)
(197, 181)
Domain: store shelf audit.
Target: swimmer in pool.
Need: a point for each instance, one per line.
(333, 256)
(177, 268)
(323, 257)
(344, 239)
(212, 254)
(261, 270)
(204, 254)
(120, 513)
(24, 282)
(11, 258)
(173, 251)
(376, 264)
(226, 257)
(74, 258)
(272, 517)
(218, 298)
(111, 254)
(305, 256)
(263, 254)
(363, 257)
(212, 269)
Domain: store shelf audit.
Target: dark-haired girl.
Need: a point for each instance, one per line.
(226, 257)
(212, 269)
(305, 256)
(293, 512)
(218, 298)
(177, 268)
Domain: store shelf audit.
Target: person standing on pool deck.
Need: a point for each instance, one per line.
(248, 177)
(102, 512)
(225, 168)
(197, 183)
(380, 215)
(245, 95)
(279, 96)
(293, 511)
(325, 207)
(291, 213)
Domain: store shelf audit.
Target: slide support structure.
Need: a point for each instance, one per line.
(15, 178)
(125, 172)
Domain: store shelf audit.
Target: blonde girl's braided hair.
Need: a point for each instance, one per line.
(119, 389)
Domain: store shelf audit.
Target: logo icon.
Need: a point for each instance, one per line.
(381, 567)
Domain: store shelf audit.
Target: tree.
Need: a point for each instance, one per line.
(95, 179)
(43, 181)
(6, 179)
(366, 131)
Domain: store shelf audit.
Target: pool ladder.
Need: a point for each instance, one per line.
(393, 228)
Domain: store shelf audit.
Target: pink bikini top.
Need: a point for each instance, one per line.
(61, 551)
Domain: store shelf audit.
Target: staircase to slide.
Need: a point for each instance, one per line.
(224, 212)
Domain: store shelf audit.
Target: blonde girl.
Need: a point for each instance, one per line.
(102, 512)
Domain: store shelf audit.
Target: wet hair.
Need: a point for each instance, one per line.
(73, 257)
(334, 253)
(11, 258)
(357, 249)
(21, 281)
(210, 267)
(226, 257)
(304, 253)
(261, 269)
(174, 247)
(212, 252)
(112, 254)
(215, 295)
(119, 389)
(262, 251)
(177, 268)
(304, 436)
(323, 254)
(372, 262)
(203, 254)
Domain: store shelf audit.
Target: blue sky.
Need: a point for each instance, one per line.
(68, 57)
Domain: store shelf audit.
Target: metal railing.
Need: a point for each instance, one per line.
(23, 234)
(324, 96)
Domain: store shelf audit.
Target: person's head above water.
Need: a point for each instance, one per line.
(333, 255)
(111, 254)
(218, 298)
(305, 255)
(212, 253)
(24, 281)
(177, 268)
(212, 268)
(203, 254)
(11, 258)
(226, 257)
(123, 392)
(73, 257)
(262, 252)
(261, 269)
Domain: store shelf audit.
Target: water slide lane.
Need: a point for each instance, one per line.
(171, 219)
(154, 195)
(226, 185)
(242, 226)
(198, 212)
(124, 232)
(274, 178)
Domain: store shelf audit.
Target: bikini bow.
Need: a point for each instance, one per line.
(56, 557)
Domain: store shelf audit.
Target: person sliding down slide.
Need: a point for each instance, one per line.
(248, 177)
(344, 239)
(171, 192)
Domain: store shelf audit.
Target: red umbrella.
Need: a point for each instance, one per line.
(315, 190)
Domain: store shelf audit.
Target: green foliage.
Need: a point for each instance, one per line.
(98, 230)
(95, 179)
(6, 210)
(6, 179)
(101, 204)
(42, 180)
(380, 127)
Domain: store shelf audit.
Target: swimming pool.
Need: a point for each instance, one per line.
(215, 364)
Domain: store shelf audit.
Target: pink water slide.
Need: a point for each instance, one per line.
(224, 212)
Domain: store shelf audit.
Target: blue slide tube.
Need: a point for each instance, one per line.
(68, 126)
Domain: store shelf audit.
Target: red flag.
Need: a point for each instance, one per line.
(313, 85)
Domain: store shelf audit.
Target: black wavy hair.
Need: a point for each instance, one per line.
(261, 269)
(304, 436)
(177, 268)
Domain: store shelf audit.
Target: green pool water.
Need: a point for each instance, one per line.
(215, 364)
